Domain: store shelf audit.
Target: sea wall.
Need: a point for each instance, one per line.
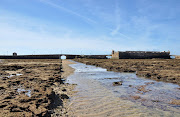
(54, 56)
(31, 57)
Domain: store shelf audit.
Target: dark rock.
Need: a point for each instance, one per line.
(117, 83)
(64, 96)
(64, 90)
(159, 77)
(2, 88)
(148, 75)
(3, 105)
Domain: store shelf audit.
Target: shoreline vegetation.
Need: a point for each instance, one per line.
(34, 87)
(166, 70)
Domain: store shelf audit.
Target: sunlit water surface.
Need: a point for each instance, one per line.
(97, 96)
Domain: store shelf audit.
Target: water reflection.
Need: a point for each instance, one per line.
(27, 92)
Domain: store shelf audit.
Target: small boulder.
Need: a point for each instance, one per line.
(64, 96)
(117, 83)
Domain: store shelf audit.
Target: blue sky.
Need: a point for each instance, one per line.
(89, 26)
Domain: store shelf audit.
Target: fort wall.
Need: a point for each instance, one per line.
(177, 57)
(94, 56)
(115, 55)
(140, 55)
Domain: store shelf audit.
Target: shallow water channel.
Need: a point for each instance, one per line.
(96, 95)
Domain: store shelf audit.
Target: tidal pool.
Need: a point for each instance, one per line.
(14, 75)
(96, 95)
(27, 92)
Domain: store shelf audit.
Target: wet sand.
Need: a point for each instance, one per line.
(167, 70)
(34, 87)
(67, 70)
(66, 89)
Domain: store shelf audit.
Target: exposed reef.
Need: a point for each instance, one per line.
(167, 70)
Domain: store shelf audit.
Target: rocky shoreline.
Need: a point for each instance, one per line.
(29, 88)
(167, 70)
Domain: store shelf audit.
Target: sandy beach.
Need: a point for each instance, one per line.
(66, 89)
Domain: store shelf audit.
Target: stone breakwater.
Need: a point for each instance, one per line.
(27, 88)
(167, 70)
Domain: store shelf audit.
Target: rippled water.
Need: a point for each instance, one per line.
(98, 97)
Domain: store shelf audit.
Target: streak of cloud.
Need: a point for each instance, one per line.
(116, 31)
(118, 23)
(117, 20)
(68, 11)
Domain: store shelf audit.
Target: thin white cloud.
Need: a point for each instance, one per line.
(68, 11)
(116, 30)
(13, 36)
(117, 20)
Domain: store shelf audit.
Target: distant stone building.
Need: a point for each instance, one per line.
(140, 54)
(14, 54)
(177, 57)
